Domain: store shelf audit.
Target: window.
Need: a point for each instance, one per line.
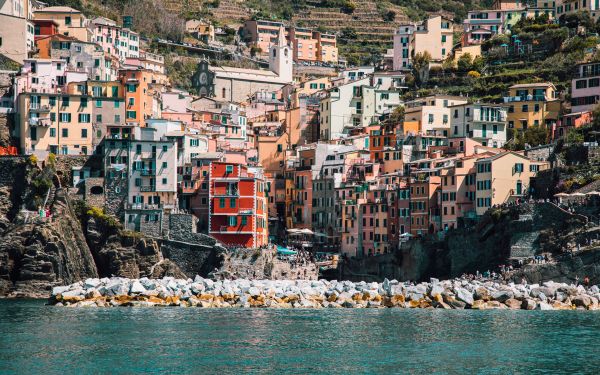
(165, 148)
(131, 114)
(221, 202)
(232, 221)
(99, 119)
(279, 148)
(130, 87)
(232, 202)
(244, 220)
(518, 167)
(65, 101)
(52, 101)
(84, 118)
(52, 132)
(138, 149)
(431, 118)
(84, 102)
(229, 169)
(165, 164)
(65, 133)
(83, 133)
(165, 181)
(581, 84)
(131, 102)
(65, 117)
(67, 21)
(525, 108)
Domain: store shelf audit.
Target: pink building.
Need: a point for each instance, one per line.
(115, 40)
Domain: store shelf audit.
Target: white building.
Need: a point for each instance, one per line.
(337, 111)
(485, 123)
(239, 85)
(115, 40)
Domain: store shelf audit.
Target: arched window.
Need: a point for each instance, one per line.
(285, 52)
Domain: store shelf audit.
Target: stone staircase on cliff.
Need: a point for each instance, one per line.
(524, 242)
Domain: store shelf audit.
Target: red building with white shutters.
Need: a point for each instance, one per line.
(238, 210)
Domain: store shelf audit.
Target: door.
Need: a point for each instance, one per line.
(519, 188)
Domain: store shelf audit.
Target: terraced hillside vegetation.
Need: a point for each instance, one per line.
(364, 27)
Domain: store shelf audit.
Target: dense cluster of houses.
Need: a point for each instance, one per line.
(257, 153)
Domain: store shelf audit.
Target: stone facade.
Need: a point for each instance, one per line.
(540, 153)
(192, 259)
(182, 227)
(115, 193)
(94, 191)
(148, 222)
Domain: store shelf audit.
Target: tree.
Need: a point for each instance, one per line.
(389, 16)
(465, 62)
(536, 135)
(420, 66)
(397, 115)
(574, 136)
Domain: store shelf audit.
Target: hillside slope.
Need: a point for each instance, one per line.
(347, 18)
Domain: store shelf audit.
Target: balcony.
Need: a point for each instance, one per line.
(228, 193)
(147, 172)
(143, 206)
(36, 107)
(147, 188)
(528, 98)
(45, 122)
(483, 21)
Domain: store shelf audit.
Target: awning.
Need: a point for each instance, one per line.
(285, 251)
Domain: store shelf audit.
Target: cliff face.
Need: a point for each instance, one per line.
(501, 235)
(35, 253)
(39, 253)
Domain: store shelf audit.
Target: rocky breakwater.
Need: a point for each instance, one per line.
(199, 292)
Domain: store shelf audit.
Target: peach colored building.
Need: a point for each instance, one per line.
(56, 123)
(308, 45)
(435, 35)
(71, 22)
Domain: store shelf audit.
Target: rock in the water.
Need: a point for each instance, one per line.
(464, 295)
(137, 288)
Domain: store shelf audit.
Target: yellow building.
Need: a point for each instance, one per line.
(532, 104)
(71, 22)
(504, 177)
(56, 123)
(312, 86)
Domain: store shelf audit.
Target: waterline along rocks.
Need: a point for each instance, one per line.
(200, 292)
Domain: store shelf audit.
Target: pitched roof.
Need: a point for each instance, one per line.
(57, 9)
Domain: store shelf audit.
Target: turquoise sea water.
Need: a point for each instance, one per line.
(38, 339)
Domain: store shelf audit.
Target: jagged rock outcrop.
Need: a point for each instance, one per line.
(38, 254)
(568, 269)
